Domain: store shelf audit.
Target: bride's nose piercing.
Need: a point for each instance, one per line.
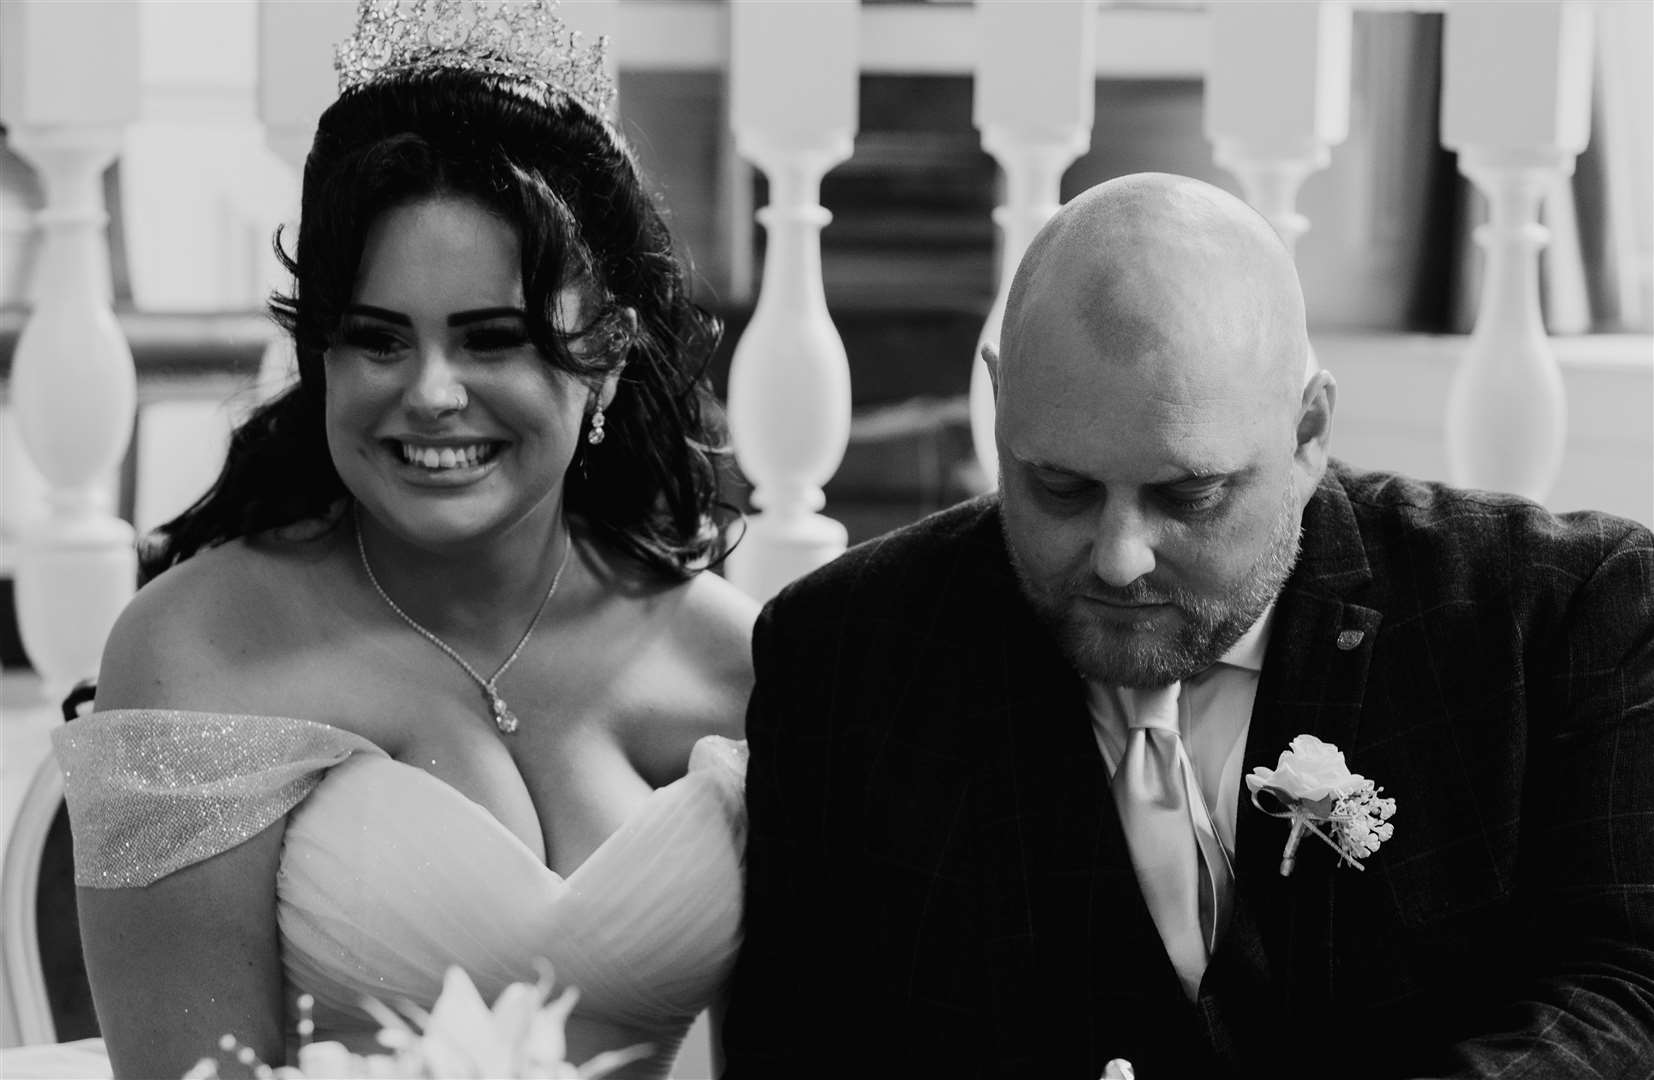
(459, 400)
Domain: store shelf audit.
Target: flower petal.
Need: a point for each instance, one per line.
(610, 1060)
(514, 1012)
(326, 1059)
(547, 1040)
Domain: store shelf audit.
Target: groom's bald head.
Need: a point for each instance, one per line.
(1157, 437)
(1150, 260)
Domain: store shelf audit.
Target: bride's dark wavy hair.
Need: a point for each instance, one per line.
(569, 186)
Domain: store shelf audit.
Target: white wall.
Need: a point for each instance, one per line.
(1392, 389)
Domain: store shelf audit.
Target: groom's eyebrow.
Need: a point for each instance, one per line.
(1188, 473)
(1046, 466)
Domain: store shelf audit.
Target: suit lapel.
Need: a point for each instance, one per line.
(1314, 681)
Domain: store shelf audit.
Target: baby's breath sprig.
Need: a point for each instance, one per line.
(1361, 821)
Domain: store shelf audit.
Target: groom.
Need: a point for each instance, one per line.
(999, 824)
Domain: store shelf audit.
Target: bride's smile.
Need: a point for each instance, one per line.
(446, 420)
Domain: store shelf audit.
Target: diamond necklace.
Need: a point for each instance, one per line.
(504, 718)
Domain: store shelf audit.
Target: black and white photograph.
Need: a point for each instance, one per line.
(827, 539)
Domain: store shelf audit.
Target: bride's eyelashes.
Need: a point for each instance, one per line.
(496, 339)
(376, 341)
(379, 341)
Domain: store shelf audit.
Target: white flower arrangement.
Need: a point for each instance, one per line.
(1314, 787)
(521, 1038)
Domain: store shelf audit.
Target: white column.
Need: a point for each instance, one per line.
(1516, 96)
(296, 84)
(296, 80)
(1036, 73)
(22, 489)
(198, 187)
(69, 85)
(1278, 98)
(793, 96)
(1625, 131)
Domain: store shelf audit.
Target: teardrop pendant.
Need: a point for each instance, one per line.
(504, 718)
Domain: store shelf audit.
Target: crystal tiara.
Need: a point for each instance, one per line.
(515, 39)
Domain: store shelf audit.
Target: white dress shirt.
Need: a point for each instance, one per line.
(1214, 715)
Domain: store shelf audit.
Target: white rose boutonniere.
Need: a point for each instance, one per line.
(1312, 787)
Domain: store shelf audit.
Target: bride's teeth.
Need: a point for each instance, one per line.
(447, 457)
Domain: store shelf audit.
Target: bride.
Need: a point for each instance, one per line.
(434, 674)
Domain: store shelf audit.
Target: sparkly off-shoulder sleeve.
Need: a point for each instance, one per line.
(152, 791)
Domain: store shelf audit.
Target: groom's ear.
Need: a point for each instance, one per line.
(990, 356)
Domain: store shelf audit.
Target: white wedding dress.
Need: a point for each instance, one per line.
(388, 875)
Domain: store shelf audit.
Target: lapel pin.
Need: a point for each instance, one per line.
(1349, 639)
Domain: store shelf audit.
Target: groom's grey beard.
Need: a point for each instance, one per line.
(1211, 624)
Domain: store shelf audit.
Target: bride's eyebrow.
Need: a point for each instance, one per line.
(382, 314)
(465, 318)
(457, 319)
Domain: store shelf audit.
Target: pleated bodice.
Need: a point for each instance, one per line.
(388, 875)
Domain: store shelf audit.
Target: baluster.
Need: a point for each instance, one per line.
(1516, 97)
(194, 178)
(70, 87)
(22, 488)
(1035, 97)
(296, 80)
(793, 95)
(1278, 99)
(19, 200)
(296, 84)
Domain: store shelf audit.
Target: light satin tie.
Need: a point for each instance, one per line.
(1174, 848)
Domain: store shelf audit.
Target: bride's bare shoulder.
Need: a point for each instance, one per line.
(715, 618)
(696, 678)
(703, 623)
(185, 637)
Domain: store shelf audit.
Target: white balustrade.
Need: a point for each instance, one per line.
(793, 98)
(296, 80)
(19, 200)
(1516, 93)
(296, 84)
(69, 85)
(198, 190)
(1134, 41)
(1278, 98)
(1034, 102)
(1624, 123)
(179, 450)
(22, 489)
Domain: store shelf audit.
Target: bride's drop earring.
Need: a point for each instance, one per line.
(595, 436)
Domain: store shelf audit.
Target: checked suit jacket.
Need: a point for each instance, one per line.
(937, 883)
